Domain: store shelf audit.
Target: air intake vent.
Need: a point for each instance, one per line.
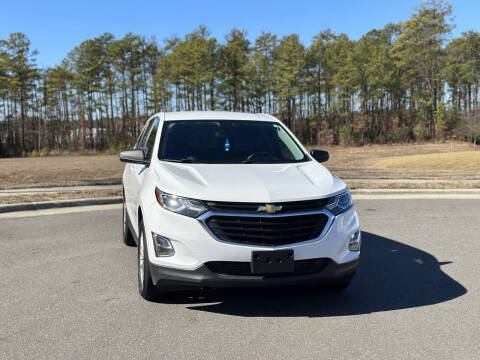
(262, 230)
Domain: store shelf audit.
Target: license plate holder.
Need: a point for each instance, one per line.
(272, 262)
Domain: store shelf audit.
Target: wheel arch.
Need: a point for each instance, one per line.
(139, 215)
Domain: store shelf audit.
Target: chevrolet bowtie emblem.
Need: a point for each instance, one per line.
(269, 208)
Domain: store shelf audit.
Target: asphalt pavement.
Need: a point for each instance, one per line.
(68, 290)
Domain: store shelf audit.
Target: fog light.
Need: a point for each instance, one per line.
(354, 242)
(163, 246)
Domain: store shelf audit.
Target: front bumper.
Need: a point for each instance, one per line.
(194, 245)
(204, 277)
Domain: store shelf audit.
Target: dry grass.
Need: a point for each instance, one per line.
(363, 162)
(16, 173)
(462, 161)
(349, 163)
(368, 155)
(14, 199)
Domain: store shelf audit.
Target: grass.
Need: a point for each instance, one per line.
(402, 161)
(366, 162)
(461, 161)
(368, 155)
(16, 173)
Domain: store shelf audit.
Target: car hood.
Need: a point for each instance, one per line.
(247, 182)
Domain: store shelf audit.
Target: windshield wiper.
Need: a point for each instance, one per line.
(179, 160)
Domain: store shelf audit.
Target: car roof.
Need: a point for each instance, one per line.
(216, 115)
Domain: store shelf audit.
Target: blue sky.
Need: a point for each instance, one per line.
(55, 26)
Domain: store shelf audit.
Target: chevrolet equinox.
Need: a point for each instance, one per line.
(223, 199)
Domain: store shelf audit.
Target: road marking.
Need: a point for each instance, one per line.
(57, 211)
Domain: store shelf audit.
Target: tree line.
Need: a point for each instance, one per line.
(409, 81)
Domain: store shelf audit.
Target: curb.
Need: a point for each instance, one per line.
(118, 199)
(415, 191)
(59, 204)
(57, 189)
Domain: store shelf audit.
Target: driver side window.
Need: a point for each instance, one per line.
(146, 140)
(150, 138)
(143, 135)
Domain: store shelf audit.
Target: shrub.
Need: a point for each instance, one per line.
(401, 134)
(44, 151)
(441, 124)
(419, 132)
(346, 136)
(112, 146)
(325, 135)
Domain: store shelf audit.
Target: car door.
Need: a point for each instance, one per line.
(137, 171)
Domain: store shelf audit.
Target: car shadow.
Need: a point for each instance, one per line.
(391, 276)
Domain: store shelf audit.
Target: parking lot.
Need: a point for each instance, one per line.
(69, 290)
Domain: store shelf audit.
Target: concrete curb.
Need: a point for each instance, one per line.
(415, 191)
(381, 193)
(57, 189)
(59, 204)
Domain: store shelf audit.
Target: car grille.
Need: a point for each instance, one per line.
(287, 207)
(264, 230)
(237, 268)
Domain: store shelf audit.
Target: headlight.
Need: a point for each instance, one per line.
(339, 203)
(180, 205)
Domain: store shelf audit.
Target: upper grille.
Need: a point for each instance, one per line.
(263, 230)
(287, 207)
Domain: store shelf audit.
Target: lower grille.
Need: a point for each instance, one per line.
(238, 268)
(277, 230)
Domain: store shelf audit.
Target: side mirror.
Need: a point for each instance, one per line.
(320, 155)
(134, 157)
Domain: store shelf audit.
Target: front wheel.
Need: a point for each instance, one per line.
(127, 235)
(145, 285)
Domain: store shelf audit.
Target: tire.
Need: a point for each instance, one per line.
(127, 235)
(145, 285)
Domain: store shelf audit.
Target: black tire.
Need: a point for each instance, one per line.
(127, 235)
(146, 288)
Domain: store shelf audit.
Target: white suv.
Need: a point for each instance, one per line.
(221, 199)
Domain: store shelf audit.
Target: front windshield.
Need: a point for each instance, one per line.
(228, 142)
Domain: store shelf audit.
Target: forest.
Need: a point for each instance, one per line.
(410, 81)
